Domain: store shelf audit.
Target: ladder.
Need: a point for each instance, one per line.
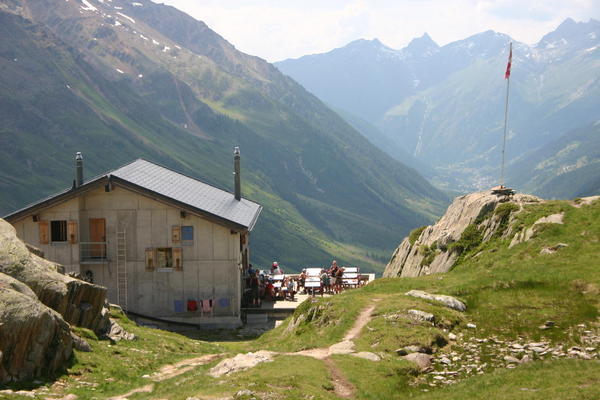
(122, 269)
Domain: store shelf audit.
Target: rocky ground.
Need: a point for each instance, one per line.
(469, 355)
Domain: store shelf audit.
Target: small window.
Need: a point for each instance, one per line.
(164, 257)
(58, 231)
(187, 233)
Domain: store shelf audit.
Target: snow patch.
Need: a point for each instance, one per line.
(136, 4)
(591, 49)
(178, 47)
(592, 35)
(143, 37)
(155, 42)
(88, 6)
(125, 16)
(117, 23)
(119, 71)
(118, 8)
(140, 76)
(165, 49)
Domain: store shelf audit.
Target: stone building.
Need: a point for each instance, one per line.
(164, 245)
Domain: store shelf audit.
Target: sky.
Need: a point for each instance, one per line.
(280, 29)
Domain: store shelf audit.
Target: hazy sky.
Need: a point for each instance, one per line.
(279, 29)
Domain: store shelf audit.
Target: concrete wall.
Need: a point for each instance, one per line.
(211, 263)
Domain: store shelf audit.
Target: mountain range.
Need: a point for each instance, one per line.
(445, 104)
(119, 80)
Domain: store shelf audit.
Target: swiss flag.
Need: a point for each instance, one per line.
(507, 73)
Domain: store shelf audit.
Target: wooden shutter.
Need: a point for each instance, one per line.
(150, 259)
(72, 232)
(44, 234)
(177, 259)
(175, 233)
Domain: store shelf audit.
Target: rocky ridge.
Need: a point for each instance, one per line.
(436, 248)
(37, 306)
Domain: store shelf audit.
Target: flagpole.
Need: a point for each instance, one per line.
(505, 119)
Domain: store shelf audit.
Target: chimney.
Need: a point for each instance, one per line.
(236, 173)
(78, 169)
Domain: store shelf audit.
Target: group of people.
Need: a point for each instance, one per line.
(274, 285)
(331, 279)
(264, 286)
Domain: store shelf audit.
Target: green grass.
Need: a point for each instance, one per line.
(509, 294)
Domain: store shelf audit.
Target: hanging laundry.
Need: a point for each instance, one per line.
(207, 305)
(192, 305)
(224, 302)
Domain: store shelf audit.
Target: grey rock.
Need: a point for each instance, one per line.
(448, 301)
(80, 303)
(511, 359)
(423, 361)
(80, 343)
(34, 339)
(116, 332)
(422, 315)
(471, 325)
(407, 260)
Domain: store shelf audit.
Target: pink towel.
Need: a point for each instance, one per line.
(207, 305)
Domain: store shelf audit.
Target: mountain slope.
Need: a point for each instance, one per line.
(451, 116)
(99, 76)
(565, 168)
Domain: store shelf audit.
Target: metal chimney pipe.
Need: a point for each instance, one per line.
(236, 173)
(78, 169)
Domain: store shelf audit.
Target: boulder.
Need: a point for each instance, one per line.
(409, 259)
(80, 303)
(423, 361)
(448, 301)
(422, 316)
(34, 339)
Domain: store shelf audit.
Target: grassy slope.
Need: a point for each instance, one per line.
(509, 293)
(566, 168)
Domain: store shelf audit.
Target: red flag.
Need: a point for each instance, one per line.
(507, 73)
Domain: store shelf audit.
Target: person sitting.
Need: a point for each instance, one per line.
(291, 287)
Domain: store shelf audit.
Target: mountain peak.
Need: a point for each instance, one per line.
(421, 47)
(570, 32)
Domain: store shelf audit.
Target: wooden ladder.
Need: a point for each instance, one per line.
(122, 269)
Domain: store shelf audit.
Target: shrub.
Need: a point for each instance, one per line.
(469, 239)
(414, 234)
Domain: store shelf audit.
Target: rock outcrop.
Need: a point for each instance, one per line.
(432, 252)
(80, 303)
(37, 304)
(34, 339)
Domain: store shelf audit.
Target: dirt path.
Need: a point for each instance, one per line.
(341, 386)
(170, 371)
(173, 370)
(144, 389)
(346, 346)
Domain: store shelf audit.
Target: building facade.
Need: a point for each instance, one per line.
(164, 245)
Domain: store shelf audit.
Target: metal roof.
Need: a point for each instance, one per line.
(153, 179)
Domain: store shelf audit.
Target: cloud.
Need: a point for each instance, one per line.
(276, 30)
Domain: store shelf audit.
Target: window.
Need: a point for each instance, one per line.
(58, 231)
(164, 257)
(187, 233)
